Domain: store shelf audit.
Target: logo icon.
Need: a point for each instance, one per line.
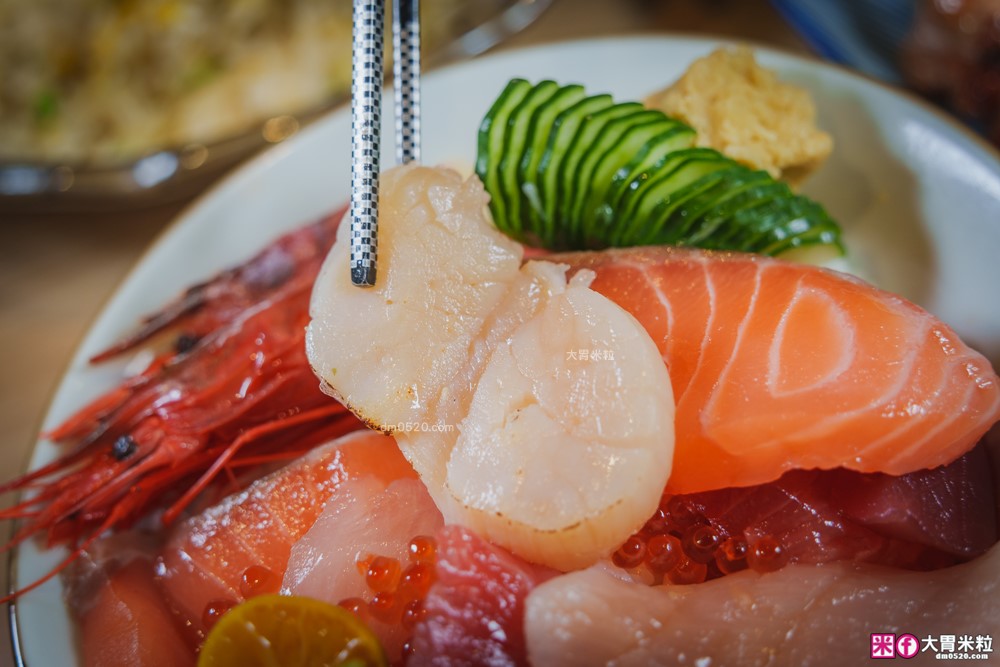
(907, 646)
(884, 645)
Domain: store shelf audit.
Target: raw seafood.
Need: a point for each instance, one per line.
(233, 389)
(923, 520)
(777, 365)
(802, 615)
(474, 613)
(467, 358)
(241, 546)
(365, 521)
(122, 620)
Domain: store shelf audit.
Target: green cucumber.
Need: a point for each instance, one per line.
(492, 137)
(542, 126)
(645, 161)
(634, 214)
(604, 148)
(688, 220)
(573, 172)
(518, 128)
(563, 133)
(570, 167)
(634, 140)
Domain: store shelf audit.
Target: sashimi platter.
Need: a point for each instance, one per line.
(680, 352)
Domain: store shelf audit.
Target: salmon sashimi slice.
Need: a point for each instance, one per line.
(777, 365)
(241, 546)
(122, 619)
(801, 615)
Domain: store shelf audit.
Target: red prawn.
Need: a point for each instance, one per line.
(199, 409)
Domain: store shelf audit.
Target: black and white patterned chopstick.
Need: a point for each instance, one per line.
(406, 78)
(366, 126)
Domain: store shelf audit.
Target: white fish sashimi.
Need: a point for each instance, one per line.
(537, 411)
(802, 615)
(366, 518)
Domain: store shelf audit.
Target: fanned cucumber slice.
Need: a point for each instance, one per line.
(633, 215)
(541, 127)
(519, 125)
(561, 136)
(632, 141)
(669, 211)
(570, 168)
(649, 157)
(569, 171)
(604, 148)
(492, 136)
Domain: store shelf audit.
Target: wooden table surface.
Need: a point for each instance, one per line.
(56, 272)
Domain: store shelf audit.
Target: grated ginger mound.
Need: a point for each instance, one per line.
(741, 109)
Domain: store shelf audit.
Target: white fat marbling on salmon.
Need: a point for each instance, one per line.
(476, 364)
(785, 376)
(777, 365)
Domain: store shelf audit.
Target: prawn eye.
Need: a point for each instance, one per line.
(185, 342)
(123, 447)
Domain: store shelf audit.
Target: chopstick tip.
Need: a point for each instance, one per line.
(363, 276)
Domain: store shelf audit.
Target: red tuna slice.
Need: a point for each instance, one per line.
(779, 366)
(474, 612)
(122, 620)
(922, 520)
(951, 508)
(241, 546)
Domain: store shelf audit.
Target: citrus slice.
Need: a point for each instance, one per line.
(290, 631)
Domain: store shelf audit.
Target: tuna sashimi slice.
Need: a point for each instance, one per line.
(475, 610)
(826, 515)
(777, 365)
(207, 556)
(819, 615)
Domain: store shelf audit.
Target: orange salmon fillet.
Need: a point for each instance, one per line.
(777, 366)
(206, 555)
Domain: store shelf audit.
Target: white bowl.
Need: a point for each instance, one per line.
(917, 195)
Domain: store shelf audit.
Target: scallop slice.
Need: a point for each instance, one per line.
(567, 441)
(442, 268)
(537, 411)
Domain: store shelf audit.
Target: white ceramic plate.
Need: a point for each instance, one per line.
(919, 199)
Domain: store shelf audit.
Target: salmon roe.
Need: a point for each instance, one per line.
(259, 580)
(631, 554)
(215, 610)
(422, 549)
(383, 574)
(396, 590)
(767, 555)
(678, 544)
